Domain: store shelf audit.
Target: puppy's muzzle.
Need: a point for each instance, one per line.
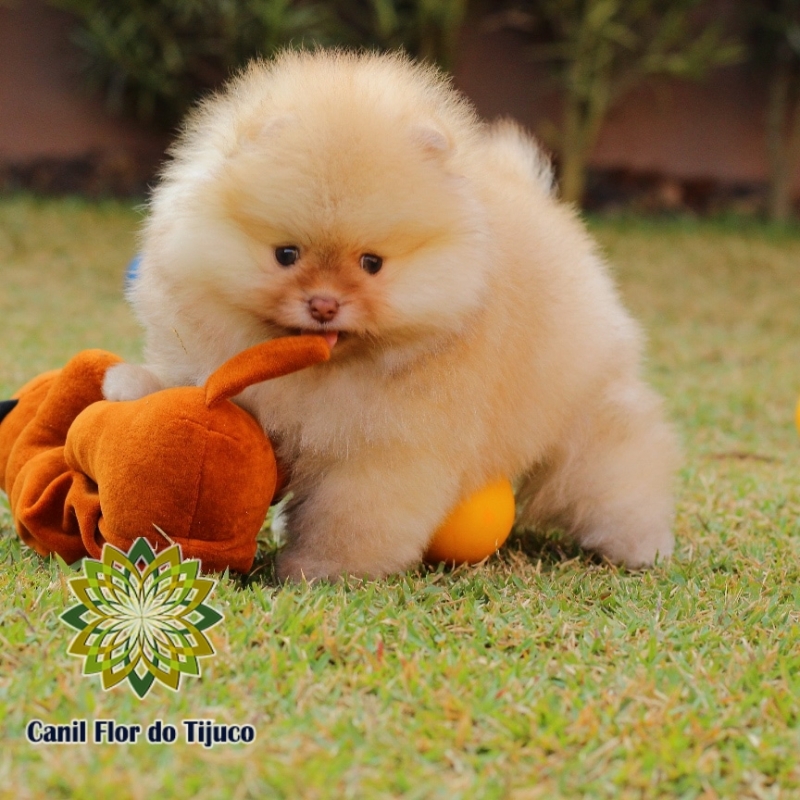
(323, 308)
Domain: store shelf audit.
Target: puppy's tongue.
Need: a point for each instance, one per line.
(331, 337)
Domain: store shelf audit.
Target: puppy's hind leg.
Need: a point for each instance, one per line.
(610, 483)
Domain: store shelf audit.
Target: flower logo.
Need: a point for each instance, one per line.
(141, 617)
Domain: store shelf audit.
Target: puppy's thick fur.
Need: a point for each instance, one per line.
(492, 341)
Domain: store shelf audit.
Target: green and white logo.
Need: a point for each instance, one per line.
(141, 617)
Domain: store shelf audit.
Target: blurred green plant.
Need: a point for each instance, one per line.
(428, 29)
(774, 32)
(154, 58)
(598, 50)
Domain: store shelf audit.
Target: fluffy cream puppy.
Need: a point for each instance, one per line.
(476, 332)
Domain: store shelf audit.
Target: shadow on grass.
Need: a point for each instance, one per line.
(548, 550)
(550, 547)
(263, 570)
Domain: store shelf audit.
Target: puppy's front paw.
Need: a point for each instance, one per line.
(129, 382)
(293, 567)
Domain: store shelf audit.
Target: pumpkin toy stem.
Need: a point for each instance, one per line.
(262, 362)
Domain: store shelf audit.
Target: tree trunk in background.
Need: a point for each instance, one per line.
(581, 127)
(572, 181)
(783, 141)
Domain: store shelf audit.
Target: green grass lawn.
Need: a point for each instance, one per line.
(542, 673)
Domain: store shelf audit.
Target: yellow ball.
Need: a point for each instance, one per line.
(476, 528)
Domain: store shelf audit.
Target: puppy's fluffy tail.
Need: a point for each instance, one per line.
(519, 147)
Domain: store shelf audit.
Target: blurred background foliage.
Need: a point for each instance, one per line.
(774, 38)
(597, 51)
(154, 58)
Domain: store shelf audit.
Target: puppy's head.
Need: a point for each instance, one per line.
(324, 193)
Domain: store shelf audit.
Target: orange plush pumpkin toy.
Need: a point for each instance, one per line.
(80, 471)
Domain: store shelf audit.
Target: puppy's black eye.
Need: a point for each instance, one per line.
(371, 263)
(286, 256)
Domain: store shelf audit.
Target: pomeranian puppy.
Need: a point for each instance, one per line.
(476, 332)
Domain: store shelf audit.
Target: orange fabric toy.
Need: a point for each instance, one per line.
(80, 471)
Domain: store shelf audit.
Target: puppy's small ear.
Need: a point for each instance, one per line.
(432, 141)
(272, 125)
(262, 130)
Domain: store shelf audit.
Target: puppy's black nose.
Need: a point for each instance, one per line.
(322, 308)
